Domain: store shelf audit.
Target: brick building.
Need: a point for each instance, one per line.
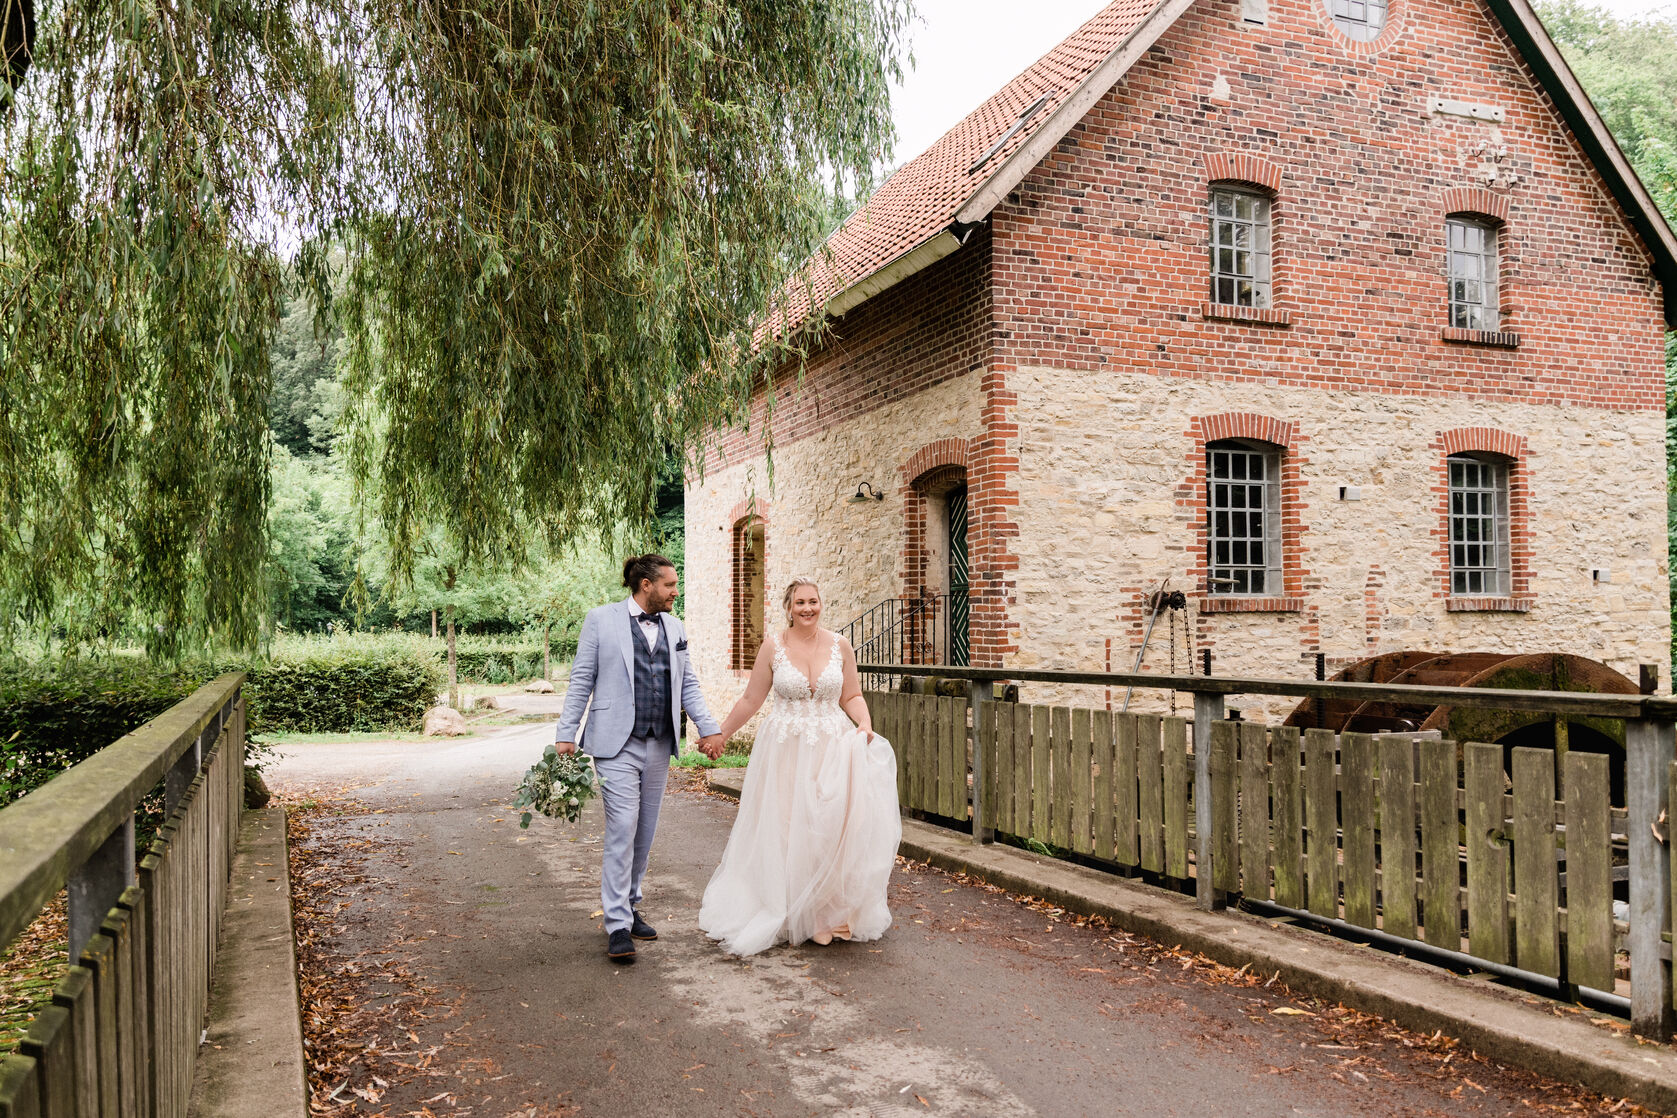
(1344, 316)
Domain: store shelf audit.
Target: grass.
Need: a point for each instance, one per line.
(273, 737)
(700, 761)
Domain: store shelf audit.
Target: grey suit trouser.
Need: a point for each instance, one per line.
(632, 787)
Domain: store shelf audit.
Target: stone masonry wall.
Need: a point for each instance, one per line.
(1105, 516)
(854, 551)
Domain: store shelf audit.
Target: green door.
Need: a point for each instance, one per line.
(959, 647)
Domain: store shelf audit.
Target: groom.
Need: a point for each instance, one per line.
(631, 660)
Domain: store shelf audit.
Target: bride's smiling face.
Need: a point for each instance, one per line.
(806, 608)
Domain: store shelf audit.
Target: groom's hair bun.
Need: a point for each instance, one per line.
(639, 567)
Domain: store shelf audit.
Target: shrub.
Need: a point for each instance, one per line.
(55, 716)
(330, 690)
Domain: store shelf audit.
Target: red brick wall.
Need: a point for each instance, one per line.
(932, 327)
(1100, 257)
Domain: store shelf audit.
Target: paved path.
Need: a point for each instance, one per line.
(973, 1004)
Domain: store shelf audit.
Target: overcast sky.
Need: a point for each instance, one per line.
(965, 50)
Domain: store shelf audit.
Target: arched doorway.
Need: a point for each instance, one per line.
(749, 545)
(939, 517)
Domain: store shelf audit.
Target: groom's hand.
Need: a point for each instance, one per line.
(564, 746)
(712, 746)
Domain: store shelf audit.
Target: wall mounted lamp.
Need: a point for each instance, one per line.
(861, 498)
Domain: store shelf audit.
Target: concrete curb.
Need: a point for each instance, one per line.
(1501, 1024)
(251, 1062)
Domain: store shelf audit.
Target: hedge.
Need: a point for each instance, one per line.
(53, 716)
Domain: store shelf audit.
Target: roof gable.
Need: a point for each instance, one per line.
(922, 213)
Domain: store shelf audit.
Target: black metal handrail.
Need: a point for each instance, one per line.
(1557, 702)
(903, 631)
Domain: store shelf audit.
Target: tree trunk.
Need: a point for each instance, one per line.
(433, 624)
(547, 668)
(453, 671)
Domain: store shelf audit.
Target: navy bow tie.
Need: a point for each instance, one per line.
(652, 617)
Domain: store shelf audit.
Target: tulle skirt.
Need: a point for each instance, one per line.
(815, 839)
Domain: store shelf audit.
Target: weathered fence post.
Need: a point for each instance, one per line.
(1648, 752)
(979, 695)
(96, 885)
(1208, 708)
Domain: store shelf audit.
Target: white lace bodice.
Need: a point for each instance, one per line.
(794, 692)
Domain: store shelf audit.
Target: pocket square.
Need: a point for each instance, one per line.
(681, 646)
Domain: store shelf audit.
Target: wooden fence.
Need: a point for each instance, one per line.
(122, 1031)
(1405, 836)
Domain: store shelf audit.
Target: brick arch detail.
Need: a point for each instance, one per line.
(1243, 167)
(1521, 548)
(1478, 201)
(743, 637)
(1191, 504)
(747, 507)
(942, 452)
(1482, 440)
(1245, 425)
(945, 460)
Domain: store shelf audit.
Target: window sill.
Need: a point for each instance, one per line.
(1489, 605)
(1262, 316)
(1216, 603)
(1498, 339)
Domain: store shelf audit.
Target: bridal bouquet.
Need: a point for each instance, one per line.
(556, 786)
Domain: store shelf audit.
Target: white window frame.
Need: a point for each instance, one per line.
(1471, 249)
(1243, 559)
(1480, 565)
(1362, 20)
(1239, 247)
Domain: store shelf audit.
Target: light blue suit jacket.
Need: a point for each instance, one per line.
(604, 672)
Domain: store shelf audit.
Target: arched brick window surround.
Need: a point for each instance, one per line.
(1396, 10)
(1476, 201)
(1191, 499)
(1242, 168)
(1512, 448)
(744, 518)
(933, 469)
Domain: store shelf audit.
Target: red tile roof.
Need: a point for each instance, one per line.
(922, 198)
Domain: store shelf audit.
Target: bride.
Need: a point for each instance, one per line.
(817, 831)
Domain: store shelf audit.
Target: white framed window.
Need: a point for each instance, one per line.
(1240, 254)
(1362, 20)
(1479, 564)
(1243, 518)
(1472, 251)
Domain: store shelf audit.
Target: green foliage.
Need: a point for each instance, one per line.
(558, 221)
(340, 688)
(305, 398)
(700, 761)
(149, 157)
(1629, 69)
(589, 206)
(56, 716)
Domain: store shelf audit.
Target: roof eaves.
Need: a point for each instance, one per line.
(1037, 146)
(894, 271)
(1550, 68)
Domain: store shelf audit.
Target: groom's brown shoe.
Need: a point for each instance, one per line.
(640, 929)
(619, 947)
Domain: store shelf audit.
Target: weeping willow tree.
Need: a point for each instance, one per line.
(559, 222)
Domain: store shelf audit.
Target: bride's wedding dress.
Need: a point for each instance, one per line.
(817, 831)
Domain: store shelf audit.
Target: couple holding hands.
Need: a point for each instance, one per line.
(817, 831)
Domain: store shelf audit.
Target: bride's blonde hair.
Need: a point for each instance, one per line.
(786, 599)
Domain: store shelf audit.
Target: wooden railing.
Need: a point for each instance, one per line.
(122, 1031)
(1408, 838)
